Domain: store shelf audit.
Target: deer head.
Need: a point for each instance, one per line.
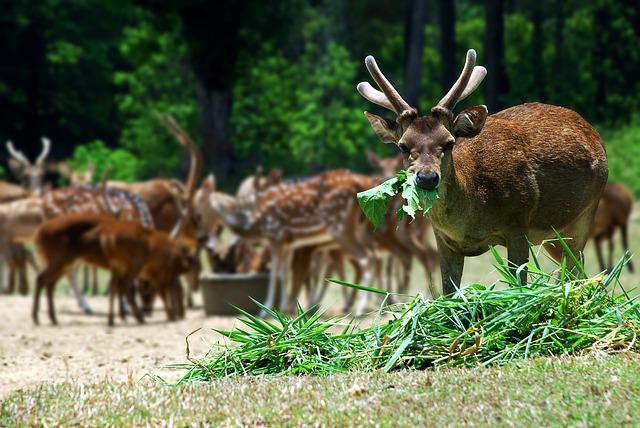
(77, 177)
(387, 166)
(427, 142)
(30, 174)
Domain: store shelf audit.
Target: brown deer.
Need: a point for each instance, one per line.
(125, 247)
(614, 211)
(506, 179)
(30, 174)
(404, 239)
(171, 201)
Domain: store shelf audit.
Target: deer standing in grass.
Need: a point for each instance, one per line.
(506, 179)
(614, 211)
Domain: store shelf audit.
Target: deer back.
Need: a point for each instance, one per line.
(535, 166)
(90, 199)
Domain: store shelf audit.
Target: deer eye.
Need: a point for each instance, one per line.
(448, 146)
(404, 149)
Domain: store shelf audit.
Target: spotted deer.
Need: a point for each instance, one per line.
(614, 212)
(30, 174)
(291, 216)
(92, 199)
(507, 179)
(258, 182)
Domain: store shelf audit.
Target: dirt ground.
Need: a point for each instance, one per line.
(83, 348)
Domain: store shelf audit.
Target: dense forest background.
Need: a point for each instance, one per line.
(272, 83)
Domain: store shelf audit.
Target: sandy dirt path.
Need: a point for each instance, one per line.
(83, 348)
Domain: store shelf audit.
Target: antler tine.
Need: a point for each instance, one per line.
(46, 146)
(195, 169)
(394, 100)
(177, 228)
(374, 95)
(459, 89)
(115, 212)
(17, 154)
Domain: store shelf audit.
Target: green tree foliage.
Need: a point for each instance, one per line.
(124, 165)
(158, 80)
(80, 71)
(290, 109)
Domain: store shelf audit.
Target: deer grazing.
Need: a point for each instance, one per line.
(290, 216)
(614, 211)
(171, 201)
(126, 248)
(30, 174)
(506, 179)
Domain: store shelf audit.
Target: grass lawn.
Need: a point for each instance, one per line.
(578, 391)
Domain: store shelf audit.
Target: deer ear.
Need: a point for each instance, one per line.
(372, 158)
(209, 183)
(469, 122)
(64, 169)
(15, 167)
(387, 131)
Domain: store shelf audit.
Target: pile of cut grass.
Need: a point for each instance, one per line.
(556, 313)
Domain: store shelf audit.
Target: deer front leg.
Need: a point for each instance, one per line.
(286, 299)
(276, 256)
(611, 242)
(72, 277)
(451, 266)
(598, 244)
(518, 254)
(113, 290)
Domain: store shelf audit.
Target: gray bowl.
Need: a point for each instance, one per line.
(221, 290)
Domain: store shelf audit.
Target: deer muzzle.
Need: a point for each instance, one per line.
(427, 180)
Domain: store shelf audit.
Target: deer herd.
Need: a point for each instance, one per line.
(513, 178)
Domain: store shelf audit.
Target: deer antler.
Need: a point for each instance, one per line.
(17, 154)
(470, 78)
(195, 169)
(115, 212)
(46, 146)
(389, 98)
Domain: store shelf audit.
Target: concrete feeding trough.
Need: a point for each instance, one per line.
(221, 290)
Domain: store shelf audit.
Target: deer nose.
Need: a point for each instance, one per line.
(427, 180)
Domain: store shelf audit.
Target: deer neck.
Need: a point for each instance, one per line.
(451, 198)
(235, 212)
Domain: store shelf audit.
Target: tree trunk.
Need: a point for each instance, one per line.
(414, 45)
(215, 112)
(497, 82)
(601, 24)
(447, 18)
(537, 66)
(558, 58)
